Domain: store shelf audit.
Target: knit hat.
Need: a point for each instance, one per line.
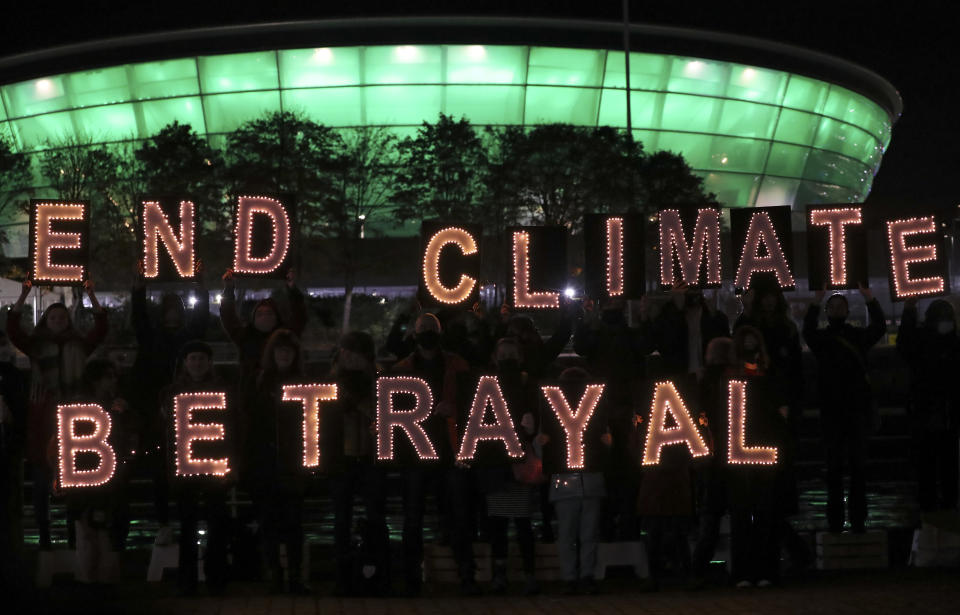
(196, 346)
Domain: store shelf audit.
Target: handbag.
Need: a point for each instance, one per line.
(529, 471)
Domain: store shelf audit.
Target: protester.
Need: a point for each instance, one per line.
(754, 491)
(158, 344)
(665, 503)
(201, 496)
(444, 372)
(510, 485)
(272, 444)
(616, 353)
(932, 350)
(710, 475)
(576, 493)
(765, 309)
(102, 514)
(13, 432)
(682, 330)
(846, 398)
(250, 338)
(349, 448)
(57, 353)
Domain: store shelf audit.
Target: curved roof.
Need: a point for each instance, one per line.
(451, 30)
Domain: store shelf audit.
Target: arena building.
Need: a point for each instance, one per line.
(762, 122)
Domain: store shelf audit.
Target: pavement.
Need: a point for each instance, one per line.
(902, 591)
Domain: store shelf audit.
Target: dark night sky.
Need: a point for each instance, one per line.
(909, 45)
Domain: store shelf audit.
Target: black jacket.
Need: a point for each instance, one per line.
(841, 353)
(934, 362)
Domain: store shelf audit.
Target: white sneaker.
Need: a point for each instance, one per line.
(164, 536)
(764, 583)
(744, 585)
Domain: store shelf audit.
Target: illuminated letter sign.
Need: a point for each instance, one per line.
(836, 247)
(409, 421)
(186, 433)
(737, 450)
(64, 227)
(502, 428)
(449, 277)
(71, 444)
(271, 246)
(923, 256)
(764, 238)
(666, 398)
(677, 255)
(545, 246)
(613, 263)
(574, 423)
(156, 229)
(310, 396)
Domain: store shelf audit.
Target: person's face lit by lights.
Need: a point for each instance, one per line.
(265, 319)
(197, 365)
(283, 357)
(837, 309)
(58, 320)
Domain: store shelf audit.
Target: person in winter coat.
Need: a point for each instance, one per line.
(576, 493)
(754, 491)
(507, 496)
(13, 432)
(616, 353)
(158, 345)
(57, 353)
(932, 350)
(348, 441)
(202, 496)
(846, 409)
(710, 475)
(273, 470)
(682, 330)
(250, 338)
(102, 513)
(445, 373)
(665, 503)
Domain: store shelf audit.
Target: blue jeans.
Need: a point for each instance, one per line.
(578, 522)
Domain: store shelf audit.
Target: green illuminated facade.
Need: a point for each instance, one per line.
(758, 136)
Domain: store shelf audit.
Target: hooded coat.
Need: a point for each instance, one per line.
(934, 360)
(56, 371)
(247, 338)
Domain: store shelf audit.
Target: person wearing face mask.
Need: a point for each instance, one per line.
(616, 353)
(201, 496)
(845, 398)
(347, 440)
(13, 431)
(755, 491)
(158, 344)
(446, 373)
(272, 445)
(57, 353)
(102, 514)
(507, 496)
(251, 337)
(932, 350)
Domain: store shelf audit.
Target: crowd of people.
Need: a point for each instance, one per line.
(675, 506)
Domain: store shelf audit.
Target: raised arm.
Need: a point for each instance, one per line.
(14, 330)
(811, 334)
(907, 338)
(878, 322)
(298, 304)
(98, 333)
(197, 323)
(228, 310)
